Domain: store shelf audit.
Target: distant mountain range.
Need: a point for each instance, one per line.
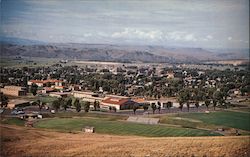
(19, 41)
(119, 53)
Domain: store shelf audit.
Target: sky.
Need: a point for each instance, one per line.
(185, 23)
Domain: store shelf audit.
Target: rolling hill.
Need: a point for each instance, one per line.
(118, 53)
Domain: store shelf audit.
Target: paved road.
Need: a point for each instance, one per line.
(31, 109)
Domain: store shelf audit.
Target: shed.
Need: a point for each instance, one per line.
(29, 124)
(88, 129)
(18, 103)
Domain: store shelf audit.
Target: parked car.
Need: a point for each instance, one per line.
(15, 112)
(20, 112)
(1, 110)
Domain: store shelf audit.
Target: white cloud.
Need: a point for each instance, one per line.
(180, 36)
(87, 35)
(155, 35)
(133, 33)
(190, 37)
(229, 38)
(207, 38)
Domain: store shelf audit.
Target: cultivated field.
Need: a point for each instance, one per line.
(21, 141)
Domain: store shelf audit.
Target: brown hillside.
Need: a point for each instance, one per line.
(20, 141)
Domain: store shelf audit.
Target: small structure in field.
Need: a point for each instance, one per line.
(220, 129)
(88, 129)
(237, 132)
(29, 124)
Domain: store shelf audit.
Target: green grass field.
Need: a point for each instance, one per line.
(185, 122)
(46, 99)
(12, 121)
(27, 61)
(119, 127)
(90, 114)
(233, 119)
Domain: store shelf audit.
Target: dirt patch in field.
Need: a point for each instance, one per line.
(188, 119)
(21, 141)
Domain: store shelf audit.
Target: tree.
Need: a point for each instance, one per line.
(198, 95)
(69, 102)
(159, 106)
(96, 105)
(207, 103)
(197, 104)
(217, 98)
(3, 99)
(169, 104)
(153, 106)
(56, 104)
(188, 105)
(40, 104)
(181, 105)
(64, 104)
(214, 103)
(145, 107)
(33, 89)
(135, 107)
(184, 97)
(77, 105)
(86, 106)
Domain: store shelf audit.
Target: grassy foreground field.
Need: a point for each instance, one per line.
(105, 126)
(21, 141)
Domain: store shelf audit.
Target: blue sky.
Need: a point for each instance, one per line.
(187, 23)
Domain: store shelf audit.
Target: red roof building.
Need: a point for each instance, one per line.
(118, 103)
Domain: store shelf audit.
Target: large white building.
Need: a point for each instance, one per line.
(41, 83)
(87, 96)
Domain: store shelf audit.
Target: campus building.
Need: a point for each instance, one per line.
(42, 83)
(17, 103)
(118, 103)
(87, 96)
(14, 91)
